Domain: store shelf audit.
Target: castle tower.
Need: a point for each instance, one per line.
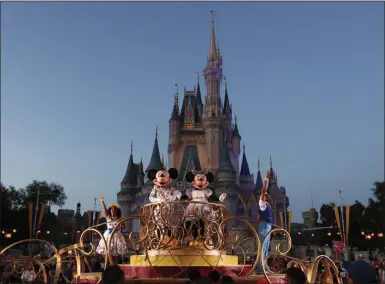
(258, 182)
(236, 148)
(128, 190)
(155, 162)
(173, 136)
(246, 178)
(212, 120)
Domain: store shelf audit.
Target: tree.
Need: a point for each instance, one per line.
(356, 224)
(327, 214)
(50, 194)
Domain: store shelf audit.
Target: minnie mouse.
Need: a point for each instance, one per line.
(162, 191)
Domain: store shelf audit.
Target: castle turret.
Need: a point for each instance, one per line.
(226, 173)
(173, 130)
(141, 175)
(198, 101)
(236, 148)
(213, 111)
(129, 187)
(258, 182)
(155, 162)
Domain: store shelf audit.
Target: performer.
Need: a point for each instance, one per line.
(163, 192)
(118, 244)
(199, 193)
(265, 217)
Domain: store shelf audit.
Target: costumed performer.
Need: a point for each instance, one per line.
(161, 192)
(118, 244)
(265, 213)
(199, 192)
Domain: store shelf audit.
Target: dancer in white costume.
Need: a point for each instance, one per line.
(118, 244)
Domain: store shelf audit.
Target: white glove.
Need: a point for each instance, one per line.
(222, 197)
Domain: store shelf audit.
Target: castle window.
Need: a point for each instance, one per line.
(189, 126)
(189, 116)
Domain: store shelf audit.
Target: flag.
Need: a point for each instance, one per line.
(347, 212)
(30, 213)
(337, 214)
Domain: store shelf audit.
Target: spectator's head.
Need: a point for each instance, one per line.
(113, 275)
(204, 280)
(360, 257)
(194, 274)
(295, 275)
(215, 276)
(227, 280)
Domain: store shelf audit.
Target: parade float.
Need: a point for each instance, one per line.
(165, 249)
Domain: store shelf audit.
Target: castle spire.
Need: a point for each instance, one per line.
(198, 96)
(175, 109)
(155, 162)
(226, 103)
(271, 163)
(236, 131)
(245, 170)
(213, 44)
(259, 166)
(130, 179)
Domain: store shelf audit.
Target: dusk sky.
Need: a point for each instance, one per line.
(79, 81)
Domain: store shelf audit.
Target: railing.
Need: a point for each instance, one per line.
(168, 229)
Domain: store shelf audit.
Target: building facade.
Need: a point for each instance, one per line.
(203, 137)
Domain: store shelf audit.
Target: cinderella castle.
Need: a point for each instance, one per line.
(204, 137)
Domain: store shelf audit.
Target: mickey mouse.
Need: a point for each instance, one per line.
(162, 191)
(199, 193)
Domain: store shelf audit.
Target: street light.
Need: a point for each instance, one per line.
(362, 233)
(3, 232)
(14, 230)
(48, 232)
(329, 234)
(299, 233)
(65, 234)
(380, 235)
(8, 235)
(369, 237)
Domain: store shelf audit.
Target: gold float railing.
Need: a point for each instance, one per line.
(163, 227)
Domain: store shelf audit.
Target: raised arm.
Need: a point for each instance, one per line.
(105, 211)
(262, 198)
(264, 187)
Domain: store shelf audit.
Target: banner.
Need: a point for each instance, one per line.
(42, 211)
(281, 219)
(337, 214)
(347, 212)
(30, 213)
(289, 221)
